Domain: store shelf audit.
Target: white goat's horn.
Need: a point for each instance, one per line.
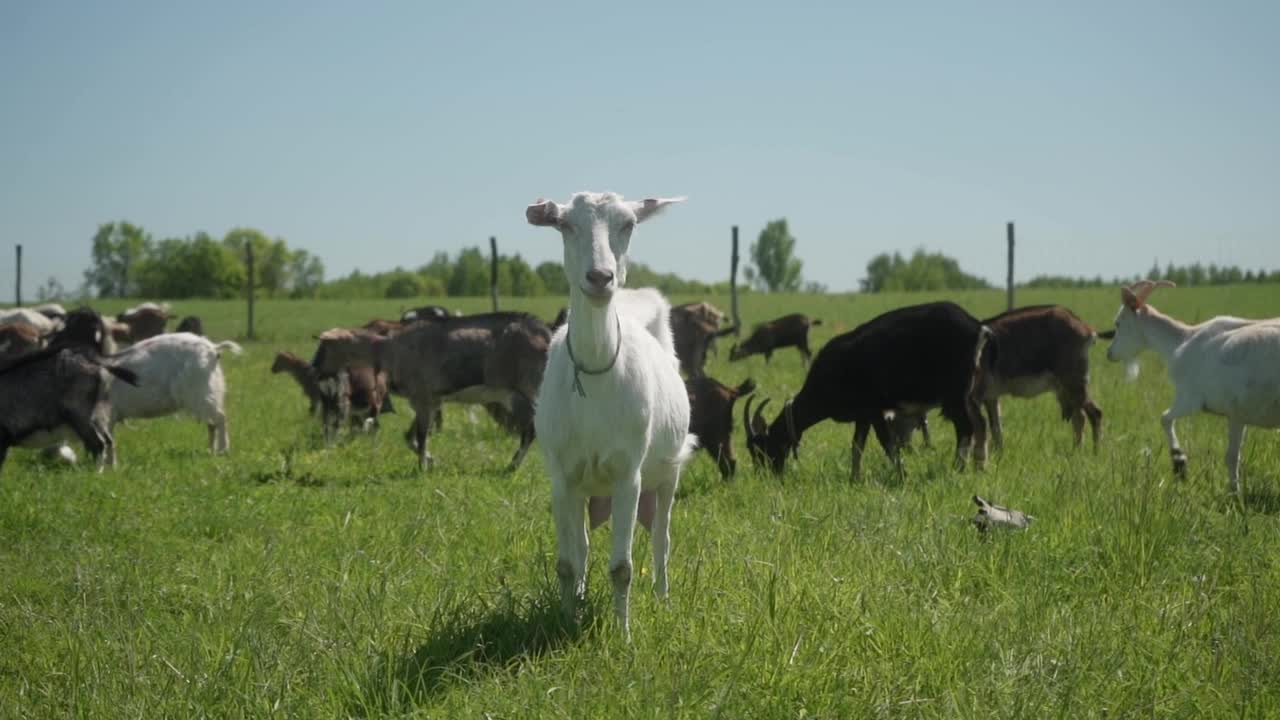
(1144, 289)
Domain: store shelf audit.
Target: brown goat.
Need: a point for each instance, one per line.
(694, 329)
(711, 418)
(787, 331)
(356, 393)
(17, 339)
(385, 328)
(144, 321)
(485, 358)
(1038, 349)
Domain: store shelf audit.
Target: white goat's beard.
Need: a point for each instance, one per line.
(1131, 369)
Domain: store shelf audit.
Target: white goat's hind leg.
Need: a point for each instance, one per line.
(626, 500)
(219, 440)
(1180, 408)
(666, 495)
(1235, 440)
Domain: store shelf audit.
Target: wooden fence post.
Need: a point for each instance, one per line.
(17, 286)
(248, 252)
(733, 286)
(493, 271)
(1009, 279)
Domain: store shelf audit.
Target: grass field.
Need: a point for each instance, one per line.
(287, 580)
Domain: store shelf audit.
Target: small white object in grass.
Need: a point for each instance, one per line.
(990, 515)
(1131, 370)
(60, 453)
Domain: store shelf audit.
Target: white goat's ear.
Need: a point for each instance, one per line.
(1129, 299)
(649, 207)
(546, 213)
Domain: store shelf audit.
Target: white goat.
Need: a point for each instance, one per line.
(176, 371)
(612, 413)
(1226, 366)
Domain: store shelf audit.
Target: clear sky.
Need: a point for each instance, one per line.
(376, 134)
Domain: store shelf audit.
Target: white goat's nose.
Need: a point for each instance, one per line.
(599, 278)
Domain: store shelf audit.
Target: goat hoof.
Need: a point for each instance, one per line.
(1180, 464)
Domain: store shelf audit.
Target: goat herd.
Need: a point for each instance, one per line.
(600, 386)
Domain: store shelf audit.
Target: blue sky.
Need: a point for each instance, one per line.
(376, 134)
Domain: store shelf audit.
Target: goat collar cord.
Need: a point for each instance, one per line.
(577, 366)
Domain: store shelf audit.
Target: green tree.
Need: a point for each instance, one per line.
(470, 275)
(118, 248)
(404, 284)
(776, 267)
(553, 279)
(198, 266)
(306, 273)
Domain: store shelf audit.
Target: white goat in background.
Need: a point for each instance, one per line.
(178, 372)
(1225, 366)
(612, 413)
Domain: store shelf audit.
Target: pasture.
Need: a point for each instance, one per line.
(287, 580)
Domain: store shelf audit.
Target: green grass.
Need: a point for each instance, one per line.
(286, 580)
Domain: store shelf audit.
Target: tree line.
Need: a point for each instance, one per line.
(1183, 275)
(126, 261)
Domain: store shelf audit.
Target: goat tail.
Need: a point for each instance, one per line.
(985, 337)
(228, 345)
(747, 387)
(124, 374)
(687, 449)
(1107, 334)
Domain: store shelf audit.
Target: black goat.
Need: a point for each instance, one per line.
(62, 387)
(904, 361)
(787, 331)
(426, 312)
(192, 324)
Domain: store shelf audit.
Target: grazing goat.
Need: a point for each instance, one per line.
(426, 312)
(1225, 366)
(476, 359)
(711, 418)
(145, 321)
(1035, 350)
(302, 373)
(360, 394)
(787, 331)
(180, 372)
(612, 412)
(191, 324)
(61, 390)
(903, 362)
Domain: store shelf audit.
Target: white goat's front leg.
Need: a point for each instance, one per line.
(1235, 440)
(1181, 408)
(665, 496)
(568, 509)
(626, 500)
